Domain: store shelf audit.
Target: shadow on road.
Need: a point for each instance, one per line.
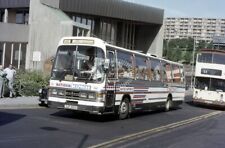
(149, 113)
(104, 118)
(6, 118)
(84, 116)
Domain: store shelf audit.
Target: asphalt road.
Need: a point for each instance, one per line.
(54, 128)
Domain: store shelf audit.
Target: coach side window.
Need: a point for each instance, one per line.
(176, 74)
(168, 72)
(156, 69)
(141, 68)
(125, 65)
(164, 76)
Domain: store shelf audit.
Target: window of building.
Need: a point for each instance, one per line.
(1, 15)
(108, 31)
(128, 35)
(78, 19)
(15, 54)
(89, 22)
(84, 21)
(8, 49)
(23, 55)
(75, 31)
(26, 18)
(20, 19)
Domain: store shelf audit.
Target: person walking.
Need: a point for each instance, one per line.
(2, 80)
(11, 72)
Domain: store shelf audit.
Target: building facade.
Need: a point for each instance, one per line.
(36, 27)
(199, 28)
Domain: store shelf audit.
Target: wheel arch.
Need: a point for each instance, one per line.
(170, 97)
(126, 96)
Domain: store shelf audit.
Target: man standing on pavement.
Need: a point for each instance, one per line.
(2, 80)
(10, 77)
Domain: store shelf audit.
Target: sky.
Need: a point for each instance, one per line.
(188, 8)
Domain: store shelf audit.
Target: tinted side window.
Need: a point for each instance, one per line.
(125, 65)
(141, 68)
(176, 74)
(164, 75)
(218, 59)
(205, 57)
(168, 72)
(156, 69)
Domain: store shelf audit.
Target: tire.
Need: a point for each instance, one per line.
(124, 109)
(168, 105)
(42, 103)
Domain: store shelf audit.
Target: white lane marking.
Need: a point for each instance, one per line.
(116, 141)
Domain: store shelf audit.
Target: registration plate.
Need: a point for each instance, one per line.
(208, 102)
(68, 106)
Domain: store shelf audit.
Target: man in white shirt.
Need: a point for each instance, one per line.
(2, 80)
(10, 77)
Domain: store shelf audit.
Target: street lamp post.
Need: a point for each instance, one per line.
(193, 60)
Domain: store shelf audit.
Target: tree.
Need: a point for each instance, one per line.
(182, 49)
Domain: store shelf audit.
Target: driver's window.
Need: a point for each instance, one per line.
(112, 65)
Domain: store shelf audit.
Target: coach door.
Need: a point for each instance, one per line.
(111, 79)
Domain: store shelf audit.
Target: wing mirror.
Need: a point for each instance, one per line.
(106, 64)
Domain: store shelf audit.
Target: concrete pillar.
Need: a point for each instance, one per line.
(12, 50)
(28, 59)
(6, 14)
(19, 58)
(3, 55)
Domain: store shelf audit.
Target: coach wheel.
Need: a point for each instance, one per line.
(124, 109)
(168, 105)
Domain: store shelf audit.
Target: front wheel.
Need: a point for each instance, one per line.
(168, 105)
(42, 103)
(124, 109)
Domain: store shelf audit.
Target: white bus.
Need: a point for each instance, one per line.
(209, 79)
(93, 76)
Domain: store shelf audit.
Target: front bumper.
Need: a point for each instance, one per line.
(220, 104)
(99, 110)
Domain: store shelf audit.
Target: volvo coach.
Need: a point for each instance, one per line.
(93, 76)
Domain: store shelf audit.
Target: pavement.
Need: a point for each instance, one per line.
(189, 92)
(19, 102)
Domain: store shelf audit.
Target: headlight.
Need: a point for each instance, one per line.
(91, 95)
(100, 97)
(61, 92)
(196, 94)
(40, 91)
(54, 91)
(83, 95)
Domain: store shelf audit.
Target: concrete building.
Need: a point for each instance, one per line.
(199, 28)
(31, 29)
